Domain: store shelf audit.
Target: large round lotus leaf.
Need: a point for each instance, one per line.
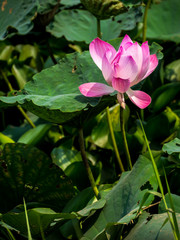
(54, 94)
(123, 199)
(16, 17)
(45, 6)
(27, 172)
(40, 220)
(81, 25)
(163, 21)
(153, 226)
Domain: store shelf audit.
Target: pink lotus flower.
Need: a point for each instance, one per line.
(121, 70)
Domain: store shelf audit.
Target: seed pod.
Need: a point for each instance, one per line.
(103, 9)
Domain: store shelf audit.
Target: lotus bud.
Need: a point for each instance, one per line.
(103, 9)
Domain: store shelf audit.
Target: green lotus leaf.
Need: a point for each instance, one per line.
(45, 6)
(81, 25)
(172, 146)
(27, 172)
(175, 199)
(163, 95)
(169, 122)
(64, 157)
(54, 94)
(40, 219)
(155, 226)
(16, 17)
(163, 21)
(172, 71)
(124, 197)
(70, 2)
(92, 207)
(34, 135)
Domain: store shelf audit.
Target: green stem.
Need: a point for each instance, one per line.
(142, 114)
(114, 140)
(19, 107)
(7, 81)
(27, 221)
(172, 207)
(26, 116)
(128, 157)
(98, 28)
(9, 233)
(145, 20)
(86, 164)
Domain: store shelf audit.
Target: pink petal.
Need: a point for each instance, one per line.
(145, 63)
(107, 70)
(117, 56)
(126, 68)
(146, 59)
(139, 98)
(94, 89)
(126, 40)
(97, 50)
(153, 64)
(136, 52)
(121, 85)
(127, 45)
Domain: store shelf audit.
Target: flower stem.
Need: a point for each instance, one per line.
(114, 140)
(86, 164)
(145, 20)
(108, 115)
(124, 138)
(142, 114)
(19, 107)
(98, 28)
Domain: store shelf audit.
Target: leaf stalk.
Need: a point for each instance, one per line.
(19, 107)
(145, 20)
(99, 28)
(86, 164)
(27, 221)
